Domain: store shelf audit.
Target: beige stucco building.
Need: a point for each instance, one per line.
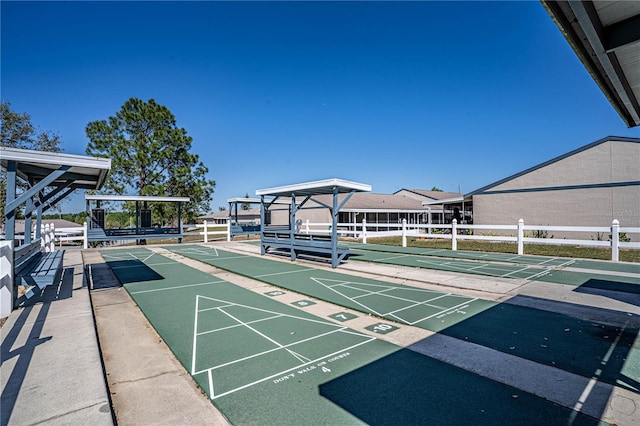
(590, 186)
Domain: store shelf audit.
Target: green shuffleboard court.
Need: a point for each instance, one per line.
(548, 338)
(503, 265)
(263, 362)
(428, 309)
(252, 355)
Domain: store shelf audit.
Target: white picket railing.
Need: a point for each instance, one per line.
(454, 232)
(207, 230)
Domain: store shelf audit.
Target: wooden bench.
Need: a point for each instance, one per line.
(35, 269)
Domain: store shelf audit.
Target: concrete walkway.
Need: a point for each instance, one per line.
(52, 370)
(51, 367)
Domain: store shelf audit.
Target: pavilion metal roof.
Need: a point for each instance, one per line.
(315, 188)
(149, 198)
(606, 37)
(34, 166)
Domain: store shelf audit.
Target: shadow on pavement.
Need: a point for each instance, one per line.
(624, 292)
(24, 353)
(133, 271)
(409, 388)
(561, 340)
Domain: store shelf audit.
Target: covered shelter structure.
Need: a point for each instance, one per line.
(287, 236)
(35, 182)
(50, 178)
(142, 229)
(247, 223)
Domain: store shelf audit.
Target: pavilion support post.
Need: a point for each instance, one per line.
(262, 224)
(28, 225)
(179, 221)
(10, 214)
(292, 225)
(334, 229)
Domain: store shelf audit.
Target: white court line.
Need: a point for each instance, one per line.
(215, 330)
(296, 355)
(272, 312)
(425, 302)
(195, 338)
(385, 288)
(339, 328)
(148, 257)
(446, 310)
(148, 266)
(283, 273)
(283, 371)
(277, 348)
(400, 256)
(539, 274)
(587, 390)
(567, 263)
(178, 287)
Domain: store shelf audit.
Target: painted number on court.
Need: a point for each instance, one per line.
(343, 316)
(381, 328)
(274, 293)
(303, 303)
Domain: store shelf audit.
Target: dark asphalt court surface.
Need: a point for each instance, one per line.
(265, 362)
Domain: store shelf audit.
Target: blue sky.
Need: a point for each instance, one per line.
(393, 94)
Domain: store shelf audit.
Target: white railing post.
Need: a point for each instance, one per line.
(615, 240)
(454, 232)
(306, 227)
(364, 231)
(6, 278)
(206, 235)
(404, 232)
(85, 243)
(52, 238)
(43, 237)
(229, 229)
(521, 237)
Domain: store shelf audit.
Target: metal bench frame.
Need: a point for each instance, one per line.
(36, 269)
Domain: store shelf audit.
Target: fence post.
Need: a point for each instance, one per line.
(205, 231)
(404, 232)
(85, 243)
(229, 229)
(521, 237)
(306, 227)
(615, 240)
(364, 231)
(52, 238)
(43, 237)
(454, 232)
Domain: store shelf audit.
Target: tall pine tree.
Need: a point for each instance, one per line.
(150, 156)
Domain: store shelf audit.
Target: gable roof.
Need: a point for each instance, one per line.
(434, 195)
(553, 160)
(361, 201)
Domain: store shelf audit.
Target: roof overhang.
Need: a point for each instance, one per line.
(326, 186)
(444, 201)
(606, 37)
(149, 198)
(34, 166)
(244, 200)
